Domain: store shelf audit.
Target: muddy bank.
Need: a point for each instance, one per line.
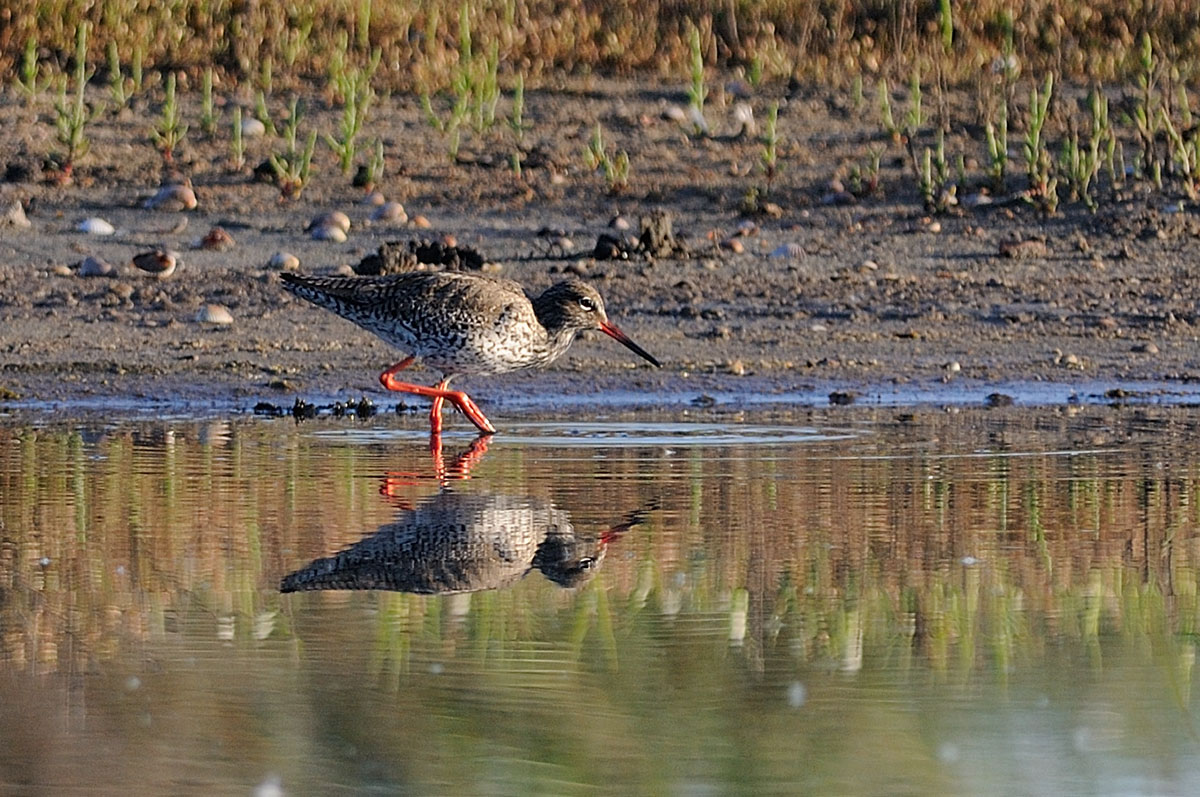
(871, 295)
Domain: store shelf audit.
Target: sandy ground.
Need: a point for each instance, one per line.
(875, 296)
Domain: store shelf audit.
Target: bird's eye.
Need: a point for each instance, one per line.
(586, 303)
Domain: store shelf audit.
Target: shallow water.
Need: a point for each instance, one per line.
(876, 601)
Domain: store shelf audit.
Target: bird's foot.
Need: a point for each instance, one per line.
(468, 407)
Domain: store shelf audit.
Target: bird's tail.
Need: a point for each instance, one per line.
(334, 293)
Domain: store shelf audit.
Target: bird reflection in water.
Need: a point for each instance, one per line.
(465, 542)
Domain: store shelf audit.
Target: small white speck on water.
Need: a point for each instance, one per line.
(968, 561)
(225, 628)
(437, 668)
(120, 570)
(271, 786)
(44, 561)
(797, 694)
(133, 683)
(948, 753)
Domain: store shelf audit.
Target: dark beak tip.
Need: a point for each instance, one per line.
(619, 336)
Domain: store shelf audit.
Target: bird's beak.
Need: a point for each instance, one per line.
(623, 339)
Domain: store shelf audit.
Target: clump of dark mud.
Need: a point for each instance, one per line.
(398, 257)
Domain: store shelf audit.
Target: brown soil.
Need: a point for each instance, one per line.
(878, 294)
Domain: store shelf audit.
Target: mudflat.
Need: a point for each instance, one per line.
(822, 288)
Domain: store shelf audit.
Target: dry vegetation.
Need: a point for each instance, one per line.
(832, 42)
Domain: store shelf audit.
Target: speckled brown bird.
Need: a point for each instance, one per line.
(462, 324)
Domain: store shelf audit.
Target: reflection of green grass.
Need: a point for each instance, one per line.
(858, 564)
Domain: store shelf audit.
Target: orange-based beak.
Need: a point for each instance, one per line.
(623, 339)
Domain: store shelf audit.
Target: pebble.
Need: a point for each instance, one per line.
(374, 198)
(743, 119)
(953, 367)
(172, 198)
(746, 227)
(421, 223)
(252, 128)
(95, 226)
(95, 267)
(619, 222)
(160, 262)
(214, 314)
(14, 216)
(283, 261)
(390, 212)
(1022, 250)
(736, 367)
(733, 245)
(61, 271)
(334, 218)
(673, 113)
(788, 250)
(329, 233)
(217, 240)
(1145, 348)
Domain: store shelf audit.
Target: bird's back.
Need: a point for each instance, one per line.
(461, 323)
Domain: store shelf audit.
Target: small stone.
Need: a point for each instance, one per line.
(217, 240)
(329, 233)
(391, 212)
(998, 400)
(673, 113)
(1146, 348)
(791, 251)
(374, 198)
(95, 226)
(736, 367)
(61, 271)
(746, 228)
(95, 267)
(421, 223)
(172, 198)
(619, 222)
(283, 261)
(953, 367)
(934, 227)
(14, 216)
(252, 128)
(334, 218)
(743, 120)
(214, 314)
(1024, 250)
(160, 262)
(842, 398)
(733, 245)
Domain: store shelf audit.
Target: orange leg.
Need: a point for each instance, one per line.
(461, 469)
(439, 394)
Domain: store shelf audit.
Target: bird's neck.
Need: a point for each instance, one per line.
(559, 334)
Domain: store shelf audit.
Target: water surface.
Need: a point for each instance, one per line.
(871, 601)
